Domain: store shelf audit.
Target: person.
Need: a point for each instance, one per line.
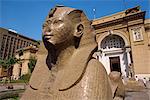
(148, 83)
(136, 78)
(69, 72)
(144, 81)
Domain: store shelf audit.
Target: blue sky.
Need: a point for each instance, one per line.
(27, 16)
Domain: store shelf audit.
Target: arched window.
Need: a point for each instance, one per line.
(112, 41)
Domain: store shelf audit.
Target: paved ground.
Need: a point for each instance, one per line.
(130, 95)
(15, 86)
(140, 95)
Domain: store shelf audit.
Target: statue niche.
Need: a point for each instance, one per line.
(66, 70)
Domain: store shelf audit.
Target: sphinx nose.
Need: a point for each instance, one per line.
(47, 31)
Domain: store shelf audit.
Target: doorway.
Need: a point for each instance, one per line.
(115, 64)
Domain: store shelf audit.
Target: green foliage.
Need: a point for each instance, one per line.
(15, 98)
(25, 78)
(32, 63)
(8, 63)
(18, 81)
(11, 94)
(39, 41)
(3, 63)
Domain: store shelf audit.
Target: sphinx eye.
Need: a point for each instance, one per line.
(44, 25)
(58, 22)
(48, 22)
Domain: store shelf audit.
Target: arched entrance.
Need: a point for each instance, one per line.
(113, 54)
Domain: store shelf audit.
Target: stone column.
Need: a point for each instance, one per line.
(129, 64)
(128, 55)
(99, 55)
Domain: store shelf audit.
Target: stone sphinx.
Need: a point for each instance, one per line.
(117, 86)
(66, 70)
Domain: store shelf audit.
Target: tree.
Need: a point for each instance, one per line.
(32, 63)
(8, 64)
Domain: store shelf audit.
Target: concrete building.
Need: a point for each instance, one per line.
(10, 41)
(124, 42)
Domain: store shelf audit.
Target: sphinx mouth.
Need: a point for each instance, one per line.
(48, 35)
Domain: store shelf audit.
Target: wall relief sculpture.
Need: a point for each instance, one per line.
(137, 34)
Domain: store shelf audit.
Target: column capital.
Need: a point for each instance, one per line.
(128, 49)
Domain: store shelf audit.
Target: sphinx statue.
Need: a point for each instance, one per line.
(65, 69)
(117, 86)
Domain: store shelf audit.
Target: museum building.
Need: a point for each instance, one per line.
(124, 42)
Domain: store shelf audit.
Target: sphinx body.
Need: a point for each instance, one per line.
(117, 86)
(66, 69)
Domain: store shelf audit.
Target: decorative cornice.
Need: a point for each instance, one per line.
(29, 48)
(126, 19)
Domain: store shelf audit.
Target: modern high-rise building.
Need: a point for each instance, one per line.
(10, 41)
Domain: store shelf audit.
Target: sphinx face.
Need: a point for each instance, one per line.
(58, 29)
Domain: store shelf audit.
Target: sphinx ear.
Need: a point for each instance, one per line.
(79, 31)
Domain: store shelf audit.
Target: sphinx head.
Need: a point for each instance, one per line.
(64, 25)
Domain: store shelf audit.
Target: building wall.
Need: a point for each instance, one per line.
(11, 41)
(22, 68)
(3, 72)
(137, 44)
(25, 69)
(140, 51)
(16, 71)
(147, 31)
